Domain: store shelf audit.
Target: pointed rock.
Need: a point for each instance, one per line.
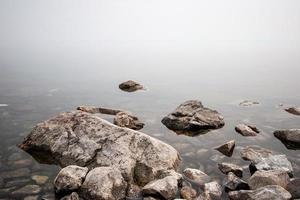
(227, 148)
(229, 167)
(233, 183)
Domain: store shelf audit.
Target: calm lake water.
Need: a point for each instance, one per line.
(55, 56)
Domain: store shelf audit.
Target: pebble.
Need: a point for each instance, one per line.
(40, 180)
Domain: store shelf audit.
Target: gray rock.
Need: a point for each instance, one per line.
(166, 188)
(246, 130)
(72, 196)
(293, 110)
(95, 110)
(290, 138)
(271, 177)
(233, 183)
(104, 183)
(293, 187)
(227, 148)
(70, 178)
(196, 176)
(192, 116)
(124, 119)
(213, 190)
(229, 167)
(83, 139)
(27, 190)
(248, 103)
(130, 86)
(188, 193)
(270, 192)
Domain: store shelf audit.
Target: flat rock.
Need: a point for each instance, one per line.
(192, 116)
(130, 86)
(290, 138)
(233, 183)
(229, 167)
(293, 110)
(166, 187)
(213, 190)
(270, 192)
(188, 193)
(72, 196)
(227, 148)
(69, 178)
(272, 177)
(104, 183)
(83, 139)
(246, 130)
(124, 119)
(293, 187)
(196, 176)
(27, 190)
(248, 103)
(255, 153)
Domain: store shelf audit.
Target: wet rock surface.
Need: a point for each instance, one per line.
(271, 192)
(72, 196)
(246, 130)
(196, 176)
(27, 190)
(233, 183)
(124, 119)
(293, 110)
(293, 187)
(290, 138)
(188, 193)
(227, 148)
(192, 117)
(213, 190)
(229, 167)
(130, 86)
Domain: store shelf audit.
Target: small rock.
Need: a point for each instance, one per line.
(72, 196)
(246, 130)
(27, 190)
(248, 103)
(69, 178)
(196, 176)
(227, 148)
(270, 192)
(130, 86)
(271, 177)
(94, 110)
(293, 110)
(233, 183)
(293, 187)
(166, 187)
(188, 193)
(192, 116)
(290, 138)
(229, 167)
(40, 180)
(213, 190)
(104, 183)
(124, 119)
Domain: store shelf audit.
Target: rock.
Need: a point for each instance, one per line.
(246, 130)
(134, 192)
(263, 159)
(72, 196)
(271, 177)
(130, 86)
(248, 103)
(293, 110)
(192, 116)
(27, 190)
(94, 110)
(15, 156)
(196, 176)
(290, 138)
(293, 187)
(213, 190)
(233, 183)
(227, 148)
(166, 188)
(83, 139)
(40, 180)
(18, 173)
(124, 119)
(31, 197)
(69, 179)
(188, 193)
(229, 167)
(22, 163)
(104, 183)
(270, 192)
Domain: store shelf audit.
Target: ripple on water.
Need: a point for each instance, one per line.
(3, 105)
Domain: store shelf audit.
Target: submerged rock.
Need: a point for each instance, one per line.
(192, 116)
(227, 148)
(124, 119)
(166, 188)
(270, 192)
(246, 130)
(248, 103)
(83, 139)
(233, 183)
(290, 138)
(271, 177)
(293, 110)
(130, 86)
(293, 187)
(196, 176)
(229, 167)
(27, 190)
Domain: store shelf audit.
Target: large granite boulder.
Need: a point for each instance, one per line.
(192, 116)
(290, 138)
(83, 139)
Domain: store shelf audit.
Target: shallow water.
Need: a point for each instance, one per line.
(58, 57)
